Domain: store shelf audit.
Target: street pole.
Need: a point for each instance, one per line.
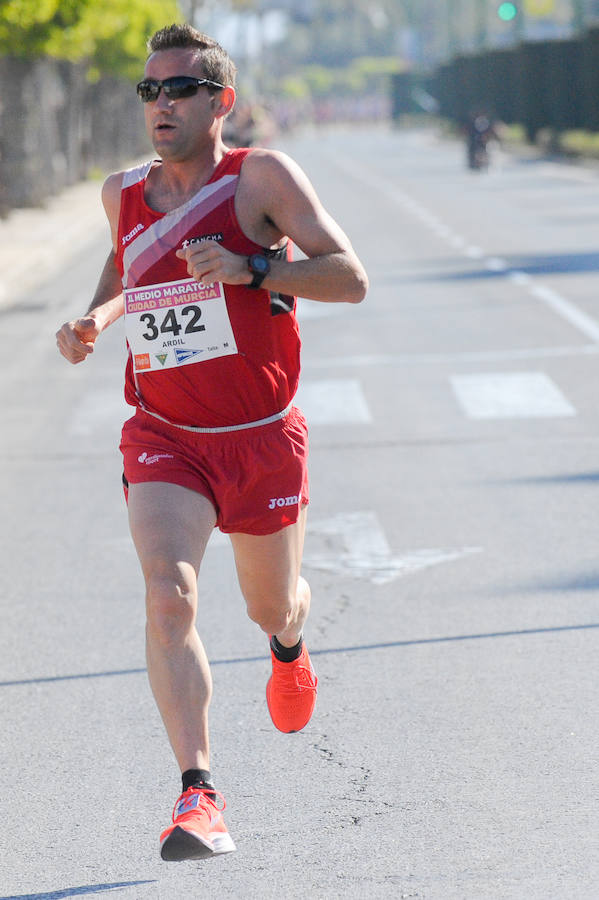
(482, 24)
(578, 15)
(453, 8)
(520, 23)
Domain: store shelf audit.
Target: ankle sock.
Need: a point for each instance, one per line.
(197, 778)
(286, 654)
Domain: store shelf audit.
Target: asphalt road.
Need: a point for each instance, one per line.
(452, 556)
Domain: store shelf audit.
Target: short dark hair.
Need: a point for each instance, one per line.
(216, 62)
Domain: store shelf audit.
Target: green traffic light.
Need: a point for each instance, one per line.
(507, 11)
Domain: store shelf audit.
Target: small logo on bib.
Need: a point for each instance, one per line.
(142, 361)
(184, 355)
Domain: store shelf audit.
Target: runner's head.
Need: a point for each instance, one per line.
(216, 62)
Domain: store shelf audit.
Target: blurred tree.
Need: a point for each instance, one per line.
(109, 35)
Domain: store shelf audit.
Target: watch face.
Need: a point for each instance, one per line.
(259, 264)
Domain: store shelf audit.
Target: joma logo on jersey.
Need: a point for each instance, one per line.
(283, 501)
(217, 236)
(129, 237)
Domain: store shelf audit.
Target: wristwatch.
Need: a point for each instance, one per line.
(259, 266)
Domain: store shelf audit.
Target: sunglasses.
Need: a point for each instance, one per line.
(174, 88)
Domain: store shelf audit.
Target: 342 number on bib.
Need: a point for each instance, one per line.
(170, 323)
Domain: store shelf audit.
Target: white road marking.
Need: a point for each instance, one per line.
(330, 401)
(560, 305)
(334, 401)
(467, 357)
(361, 550)
(219, 540)
(522, 279)
(567, 310)
(314, 309)
(510, 395)
(496, 264)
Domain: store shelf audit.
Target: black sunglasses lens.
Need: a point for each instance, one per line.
(174, 88)
(147, 91)
(178, 87)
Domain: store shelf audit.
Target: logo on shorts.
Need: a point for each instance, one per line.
(150, 460)
(283, 501)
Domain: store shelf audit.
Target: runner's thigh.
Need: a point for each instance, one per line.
(268, 566)
(169, 524)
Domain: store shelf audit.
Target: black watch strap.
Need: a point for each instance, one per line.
(259, 266)
(257, 280)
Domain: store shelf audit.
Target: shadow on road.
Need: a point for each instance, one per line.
(546, 264)
(360, 648)
(77, 891)
(566, 478)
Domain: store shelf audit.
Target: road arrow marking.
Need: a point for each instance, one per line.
(361, 550)
(333, 401)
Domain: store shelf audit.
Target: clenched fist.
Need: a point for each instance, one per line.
(76, 339)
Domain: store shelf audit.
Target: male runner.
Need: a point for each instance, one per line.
(202, 270)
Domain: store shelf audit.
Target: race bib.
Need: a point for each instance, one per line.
(177, 323)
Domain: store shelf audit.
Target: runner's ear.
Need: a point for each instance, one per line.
(225, 102)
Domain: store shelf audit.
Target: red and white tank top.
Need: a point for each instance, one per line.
(215, 356)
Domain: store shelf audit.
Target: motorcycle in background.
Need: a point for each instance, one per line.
(481, 131)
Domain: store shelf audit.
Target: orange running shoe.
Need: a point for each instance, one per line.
(198, 830)
(291, 692)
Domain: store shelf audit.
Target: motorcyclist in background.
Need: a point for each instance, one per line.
(480, 130)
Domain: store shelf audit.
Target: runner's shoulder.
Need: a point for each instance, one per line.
(112, 186)
(275, 169)
(111, 193)
(262, 162)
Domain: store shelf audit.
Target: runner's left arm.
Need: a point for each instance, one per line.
(287, 206)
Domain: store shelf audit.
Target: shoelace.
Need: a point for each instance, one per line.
(205, 797)
(294, 678)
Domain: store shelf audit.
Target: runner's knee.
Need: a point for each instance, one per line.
(170, 607)
(271, 619)
(277, 614)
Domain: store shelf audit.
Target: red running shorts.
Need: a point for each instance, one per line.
(256, 478)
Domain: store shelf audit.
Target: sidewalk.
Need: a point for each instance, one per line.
(36, 243)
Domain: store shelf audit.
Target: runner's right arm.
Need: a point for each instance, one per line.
(76, 338)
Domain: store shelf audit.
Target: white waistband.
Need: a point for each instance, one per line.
(225, 428)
